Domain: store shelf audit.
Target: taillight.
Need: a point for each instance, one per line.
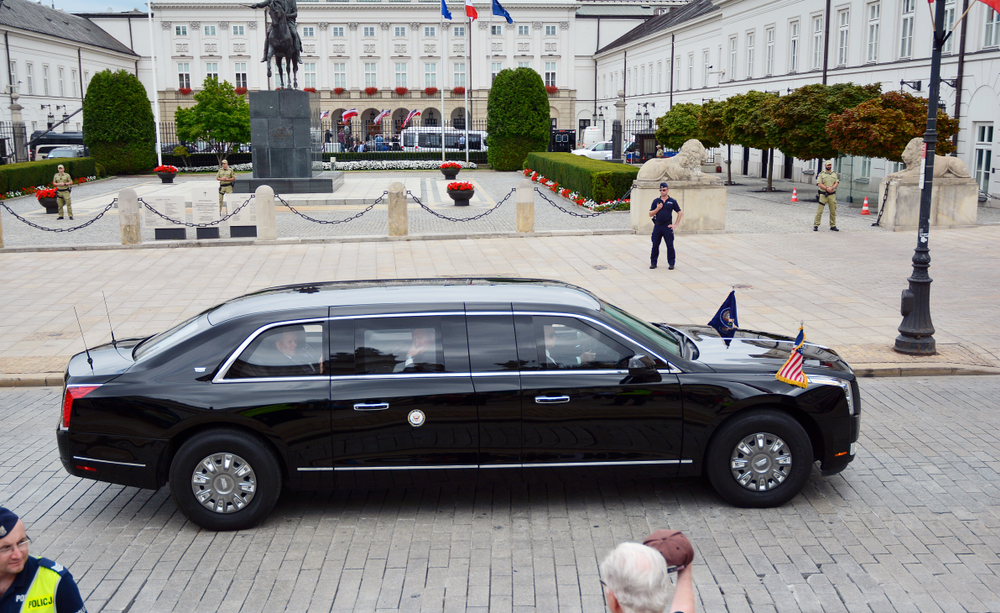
(73, 393)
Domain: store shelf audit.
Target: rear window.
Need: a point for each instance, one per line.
(171, 338)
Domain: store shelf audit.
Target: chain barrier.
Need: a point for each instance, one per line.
(73, 229)
(331, 222)
(573, 213)
(881, 208)
(460, 219)
(197, 225)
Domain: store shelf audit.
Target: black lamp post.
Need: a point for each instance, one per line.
(916, 332)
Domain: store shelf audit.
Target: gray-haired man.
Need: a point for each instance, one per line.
(636, 581)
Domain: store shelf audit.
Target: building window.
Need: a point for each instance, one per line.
(459, 75)
(400, 74)
(340, 74)
(992, 38)
(459, 32)
(690, 71)
(400, 31)
(338, 31)
(62, 81)
(906, 31)
(309, 77)
(495, 69)
(180, 30)
(642, 80)
(793, 46)
(750, 42)
(843, 36)
(239, 31)
(732, 58)
(874, 16)
(524, 64)
(523, 31)
(817, 41)
(659, 76)
(212, 70)
(13, 74)
(183, 75)
(45, 80)
(371, 74)
(209, 30)
(769, 51)
(866, 168)
(431, 74)
(308, 31)
(650, 89)
(369, 31)
(677, 72)
(984, 156)
(949, 21)
(496, 30)
(550, 30)
(240, 73)
(430, 31)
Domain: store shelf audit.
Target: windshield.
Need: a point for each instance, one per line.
(645, 331)
(165, 340)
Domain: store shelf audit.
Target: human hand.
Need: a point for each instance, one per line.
(587, 356)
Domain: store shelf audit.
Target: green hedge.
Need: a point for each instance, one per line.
(34, 174)
(595, 179)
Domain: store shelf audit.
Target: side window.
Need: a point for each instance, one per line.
(410, 345)
(284, 351)
(491, 343)
(565, 343)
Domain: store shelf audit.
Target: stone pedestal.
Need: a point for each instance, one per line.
(525, 199)
(703, 203)
(954, 203)
(398, 221)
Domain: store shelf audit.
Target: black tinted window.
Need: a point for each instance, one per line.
(567, 343)
(491, 343)
(285, 351)
(410, 345)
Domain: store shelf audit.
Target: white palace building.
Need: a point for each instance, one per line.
(660, 53)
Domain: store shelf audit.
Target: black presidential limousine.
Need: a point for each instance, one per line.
(298, 386)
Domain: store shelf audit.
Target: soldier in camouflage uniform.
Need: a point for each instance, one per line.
(62, 181)
(226, 177)
(827, 181)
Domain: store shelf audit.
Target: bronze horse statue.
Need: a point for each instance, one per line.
(282, 44)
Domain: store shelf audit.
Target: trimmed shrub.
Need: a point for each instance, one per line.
(595, 179)
(118, 124)
(517, 119)
(36, 174)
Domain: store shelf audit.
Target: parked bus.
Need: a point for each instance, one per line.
(42, 142)
(429, 139)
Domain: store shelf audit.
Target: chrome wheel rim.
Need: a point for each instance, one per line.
(223, 483)
(761, 462)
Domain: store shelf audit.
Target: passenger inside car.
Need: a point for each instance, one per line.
(281, 352)
(422, 356)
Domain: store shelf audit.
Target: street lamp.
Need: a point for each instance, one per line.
(51, 118)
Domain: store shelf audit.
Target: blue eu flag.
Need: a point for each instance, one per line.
(501, 11)
(444, 10)
(726, 321)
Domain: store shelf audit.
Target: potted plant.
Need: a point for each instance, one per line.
(166, 173)
(371, 91)
(551, 89)
(461, 192)
(338, 90)
(184, 91)
(450, 170)
(430, 91)
(241, 91)
(401, 91)
(47, 198)
(458, 91)
(311, 90)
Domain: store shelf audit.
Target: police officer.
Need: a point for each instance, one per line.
(62, 181)
(32, 584)
(226, 177)
(827, 181)
(661, 211)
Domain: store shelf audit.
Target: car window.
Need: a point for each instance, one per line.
(399, 345)
(285, 351)
(565, 343)
(643, 330)
(170, 338)
(491, 343)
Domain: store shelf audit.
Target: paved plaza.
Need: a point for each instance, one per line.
(911, 526)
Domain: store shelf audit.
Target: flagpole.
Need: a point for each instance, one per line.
(444, 54)
(465, 100)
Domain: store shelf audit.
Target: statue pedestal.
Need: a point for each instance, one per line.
(954, 203)
(703, 204)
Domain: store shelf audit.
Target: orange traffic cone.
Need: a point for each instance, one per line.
(864, 207)
(795, 195)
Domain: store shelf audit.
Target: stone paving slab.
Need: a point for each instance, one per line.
(912, 525)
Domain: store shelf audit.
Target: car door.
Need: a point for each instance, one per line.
(497, 380)
(580, 403)
(401, 392)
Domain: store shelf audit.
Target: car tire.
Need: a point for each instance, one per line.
(225, 479)
(759, 458)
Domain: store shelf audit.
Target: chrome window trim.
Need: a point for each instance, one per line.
(86, 459)
(220, 377)
(490, 466)
(396, 315)
(417, 467)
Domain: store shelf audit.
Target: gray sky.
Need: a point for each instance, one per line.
(97, 6)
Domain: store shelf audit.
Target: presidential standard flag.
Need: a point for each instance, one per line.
(725, 320)
(349, 115)
(381, 116)
(410, 116)
(470, 11)
(500, 11)
(791, 372)
(324, 114)
(444, 10)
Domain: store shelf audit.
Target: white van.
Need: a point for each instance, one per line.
(591, 136)
(429, 139)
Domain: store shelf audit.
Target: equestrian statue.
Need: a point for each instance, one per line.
(282, 41)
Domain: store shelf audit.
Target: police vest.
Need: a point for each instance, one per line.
(41, 594)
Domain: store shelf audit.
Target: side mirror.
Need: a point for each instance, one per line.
(642, 369)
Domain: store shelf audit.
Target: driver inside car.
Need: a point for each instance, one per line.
(559, 353)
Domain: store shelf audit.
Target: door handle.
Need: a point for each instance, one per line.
(551, 399)
(374, 406)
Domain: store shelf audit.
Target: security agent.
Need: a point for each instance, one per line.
(661, 212)
(32, 584)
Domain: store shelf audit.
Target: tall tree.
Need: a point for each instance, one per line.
(750, 120)
(801, 116)
(220, 115)
(714, 128)
(118, 124)
(882, 127)
(681, 124)
(517, 118)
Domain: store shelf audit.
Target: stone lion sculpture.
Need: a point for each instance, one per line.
(944, 166)
(685, 166)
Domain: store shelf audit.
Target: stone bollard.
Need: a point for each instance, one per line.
(525, 199)
(399, 224)
(129, 217)
(267, 229)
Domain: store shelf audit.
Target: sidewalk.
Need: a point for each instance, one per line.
(845, 286)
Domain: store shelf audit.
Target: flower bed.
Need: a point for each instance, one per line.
(241, 91)
(184, 91)
(458, 91)
(371, 91)
(165, 169)
(46, 193)
(388, 165)
(311, 90)
(552, 89)
(455, 165)
(622, 204)
(430, 91)
(461, 186)
(401, 91)
(338, 90)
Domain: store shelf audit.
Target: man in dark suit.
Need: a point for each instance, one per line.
(422, 355)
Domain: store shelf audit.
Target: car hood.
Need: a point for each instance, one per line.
(109, 360)
(751, 350)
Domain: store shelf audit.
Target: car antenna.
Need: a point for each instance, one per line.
(106, 310)
(89, 359)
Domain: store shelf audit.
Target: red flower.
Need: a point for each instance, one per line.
(430, 91)
(338, 90)
(45, 193)
(551, 89)
(450, 165)
(165, 169)
(311, 90)
(371, 91)
(460, 186)
(458, 91)
(401, 91)
(241, 90)
(184, 91)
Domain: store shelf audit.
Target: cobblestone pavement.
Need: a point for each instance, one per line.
(912, 525)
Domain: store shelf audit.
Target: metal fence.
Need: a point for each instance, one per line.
(13, 142)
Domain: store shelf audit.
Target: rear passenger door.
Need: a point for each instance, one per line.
(496, 378)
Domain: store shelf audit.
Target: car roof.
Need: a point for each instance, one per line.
(467, 290)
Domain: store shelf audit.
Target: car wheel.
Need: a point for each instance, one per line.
(225, 479)
(759, 459)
